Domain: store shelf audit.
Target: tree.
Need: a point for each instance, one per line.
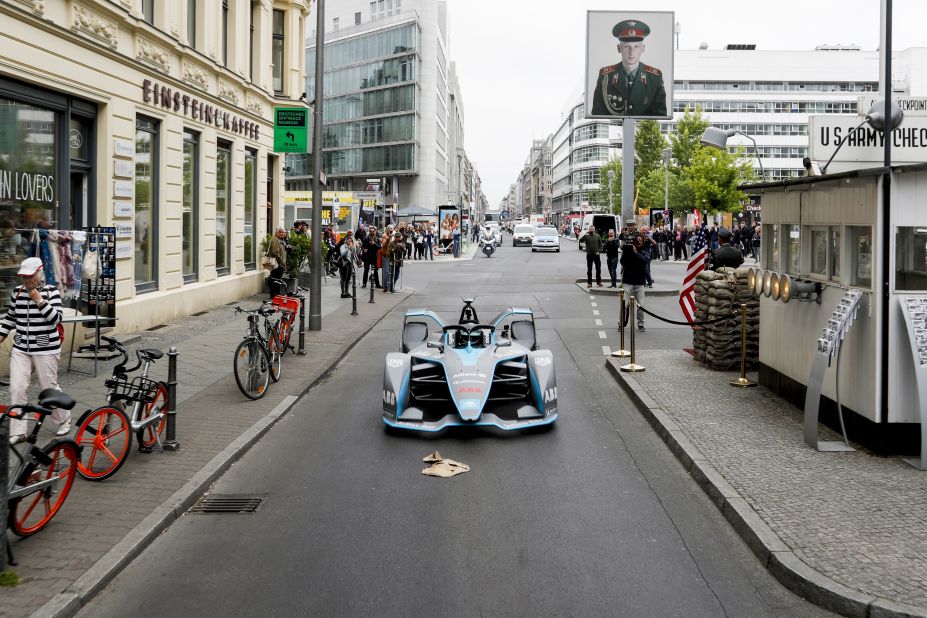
(686, 140)
(713, 177)
(653, 186)
(600, 195)
(648, 149)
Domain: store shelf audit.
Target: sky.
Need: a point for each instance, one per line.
(520, 62)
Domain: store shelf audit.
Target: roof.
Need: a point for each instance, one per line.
(413, 210)
(812, 180)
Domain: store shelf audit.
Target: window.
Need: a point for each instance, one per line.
(225, 32)
(357, 19)
(146, 201)
(223, 222)
(148, 11)
(861, 254)
(276, 51)
(191, 23)
(819, 251)
(251, 41)
(911, 258)
(190, 206)
(250, 207)
(771, 241)
(336, 23)
(793, 250)
(834, 272)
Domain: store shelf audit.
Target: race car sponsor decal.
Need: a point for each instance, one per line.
(550, 395)
(389, 397)
(394, 362)
(543, 361)
(473, 390)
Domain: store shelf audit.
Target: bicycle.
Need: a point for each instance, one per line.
(254, 359)
(288, 305)
(107, 431)
(44, 476)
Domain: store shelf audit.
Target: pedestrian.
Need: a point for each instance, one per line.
(429, 239)
(679, 242)
(34, 312)
(647, 246)
(386, 249)
(276, 248)
(726, 254)
(633, 263)
(713, 236)
(612, 250)
(347, 255)
(455, 233)
(593, 248)
(398, 254)
(371, 248)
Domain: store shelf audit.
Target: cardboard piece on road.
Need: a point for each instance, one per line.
(443, 468)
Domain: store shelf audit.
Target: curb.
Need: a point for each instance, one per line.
(94, 580)
(772, 553)
(604, 291)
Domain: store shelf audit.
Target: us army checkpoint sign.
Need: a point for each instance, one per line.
(864, 144)
(290, 129)
(629, 64)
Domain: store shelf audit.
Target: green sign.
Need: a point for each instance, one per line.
(290, 129)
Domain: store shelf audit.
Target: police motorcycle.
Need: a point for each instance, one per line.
(487, 242)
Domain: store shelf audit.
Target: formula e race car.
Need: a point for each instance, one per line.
(469, 373)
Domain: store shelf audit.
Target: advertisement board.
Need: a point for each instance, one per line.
(448, 221)
(629, 64)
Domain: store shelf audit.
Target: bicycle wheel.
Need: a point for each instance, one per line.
(148, 436)
(275, 350)
(32, 512)
(105, 438)
(252, 369)
(286, 329)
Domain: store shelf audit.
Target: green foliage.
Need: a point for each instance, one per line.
(299, 250)
(653, 186)
(686, 140)
(9, 579)
(600, 195)
(648, 149)
(713, 178)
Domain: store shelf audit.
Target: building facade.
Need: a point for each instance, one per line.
(153, 118)
(386, 102)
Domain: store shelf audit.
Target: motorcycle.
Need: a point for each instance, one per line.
(487, 245)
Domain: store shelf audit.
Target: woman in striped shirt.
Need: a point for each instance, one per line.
(35, 314)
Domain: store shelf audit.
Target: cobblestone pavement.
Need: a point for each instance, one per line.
(854, 517)
(211, 414)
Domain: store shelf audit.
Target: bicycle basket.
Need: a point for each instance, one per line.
(286, 302)
(136, 389)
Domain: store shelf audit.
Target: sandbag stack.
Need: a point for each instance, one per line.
(717, 294)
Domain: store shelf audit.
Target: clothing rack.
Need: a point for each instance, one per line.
(100, 291)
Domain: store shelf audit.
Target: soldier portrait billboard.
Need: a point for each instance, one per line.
(629, 64)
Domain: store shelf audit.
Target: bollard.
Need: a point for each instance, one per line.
(353, 290)
(4, 471)
(632, 367)
(742, 381)
(301, 351)
(170, 442)
(372, 287)
(621, 352)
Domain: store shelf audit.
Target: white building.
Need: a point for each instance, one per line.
(386, 100)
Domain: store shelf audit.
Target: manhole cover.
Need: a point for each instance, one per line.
(228, 503)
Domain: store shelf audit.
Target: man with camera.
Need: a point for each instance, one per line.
(634, 260)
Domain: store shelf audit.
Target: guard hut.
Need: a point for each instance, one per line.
(822, 241)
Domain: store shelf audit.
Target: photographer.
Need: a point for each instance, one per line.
(634, 261)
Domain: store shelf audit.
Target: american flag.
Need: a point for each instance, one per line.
(696, 265)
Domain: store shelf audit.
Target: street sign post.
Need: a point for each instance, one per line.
(290, 129)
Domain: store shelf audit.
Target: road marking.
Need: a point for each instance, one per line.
(595, 312)
(602, 335)
(607, 351)
(595, 304)
(592, 298)
(598, 322)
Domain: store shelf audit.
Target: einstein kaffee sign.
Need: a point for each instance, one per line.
(863, 145)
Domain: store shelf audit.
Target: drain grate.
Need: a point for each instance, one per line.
(200, 312)
(228, 503)
(154, 328)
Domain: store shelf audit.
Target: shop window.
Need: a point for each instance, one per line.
(223, 223)
(911, 259)
(190, 206)
(276, 50)
(793, 249)
(250, 208)
(146, 202)
(860, 238)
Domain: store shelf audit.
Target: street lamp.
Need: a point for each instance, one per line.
(611, 181)
(875, 117)
(717, 138)
(667, 155)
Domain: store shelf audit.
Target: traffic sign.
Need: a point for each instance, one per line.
(290, 129)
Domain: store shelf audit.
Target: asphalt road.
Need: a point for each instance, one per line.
(593, 518)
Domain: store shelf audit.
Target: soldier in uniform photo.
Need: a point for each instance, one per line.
(629, 88)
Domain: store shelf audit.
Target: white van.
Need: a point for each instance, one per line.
(602, 222)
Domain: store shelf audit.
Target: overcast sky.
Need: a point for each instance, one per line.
(521, 61)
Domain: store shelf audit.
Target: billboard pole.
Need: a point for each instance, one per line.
(315, 258)
(627, 170)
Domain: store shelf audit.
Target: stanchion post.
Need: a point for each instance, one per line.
(632, 367)
(353, 289)
(370, 281)
(170, 442)
(742, 381)
(301, 350)
(4, 471)
(621, 352)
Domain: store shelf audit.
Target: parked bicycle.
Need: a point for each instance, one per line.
(258, 358)
(43, 478)
(288, 305)
(105, 434)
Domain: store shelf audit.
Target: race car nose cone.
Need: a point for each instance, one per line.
(470, 409)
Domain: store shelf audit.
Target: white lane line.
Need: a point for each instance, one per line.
(592, 298)
(602, 335)
(595, 304)
(598, 322)
(607, 351)
(595, 312)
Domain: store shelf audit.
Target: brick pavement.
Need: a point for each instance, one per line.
(212, 414)
(854, 519)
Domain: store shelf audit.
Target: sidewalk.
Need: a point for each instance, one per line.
(844, 530)
(102, 526)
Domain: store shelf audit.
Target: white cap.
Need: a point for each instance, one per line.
(30, 266)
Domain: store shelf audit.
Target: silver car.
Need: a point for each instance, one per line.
(545, 238)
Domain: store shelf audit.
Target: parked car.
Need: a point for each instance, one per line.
(523, 234)
(546, 238)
